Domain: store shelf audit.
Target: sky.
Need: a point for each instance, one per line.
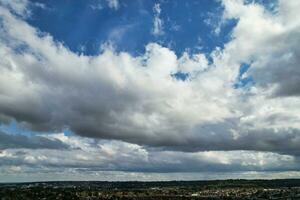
(147, 90)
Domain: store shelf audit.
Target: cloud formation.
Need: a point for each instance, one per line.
(121, 156)
(202, 122)
(114, 4)
(269, 40)
(136, 99)
(8, 141)
(157, 22)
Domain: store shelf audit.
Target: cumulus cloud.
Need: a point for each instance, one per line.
(136, 99)
(270, 41)
(113, 95)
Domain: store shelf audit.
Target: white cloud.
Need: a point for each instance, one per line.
(157, 21)
(114, 4)
(117, 90)
(136, 99)
(17, 6)
(96, 7)
(269, 41)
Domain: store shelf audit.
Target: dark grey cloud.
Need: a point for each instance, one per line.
(281, 68)
(226, 137)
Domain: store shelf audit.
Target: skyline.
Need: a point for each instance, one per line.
(149, 90)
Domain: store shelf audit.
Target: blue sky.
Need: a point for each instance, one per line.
(149, 90)
(84, 25)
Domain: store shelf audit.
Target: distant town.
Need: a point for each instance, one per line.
(218, 189)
